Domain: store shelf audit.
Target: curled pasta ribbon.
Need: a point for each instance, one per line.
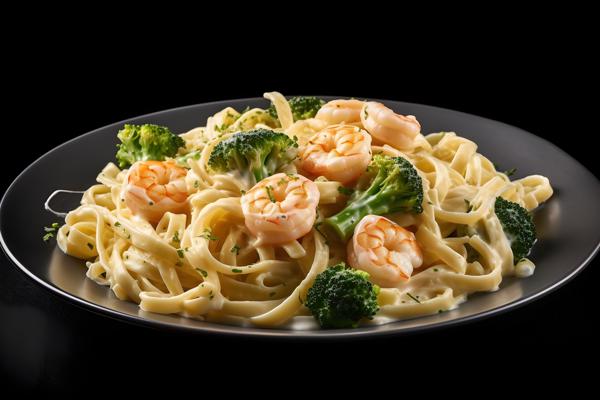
(206, 263)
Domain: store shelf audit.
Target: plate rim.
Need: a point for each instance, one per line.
(257, 332)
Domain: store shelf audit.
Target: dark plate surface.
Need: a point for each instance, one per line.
(568, 229)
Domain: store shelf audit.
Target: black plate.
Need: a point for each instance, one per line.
(569, 233)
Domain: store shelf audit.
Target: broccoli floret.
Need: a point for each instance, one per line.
(146, 142)
(396, 187)
(303, 107)
(341, 296)
(262, 152)
(518, 227)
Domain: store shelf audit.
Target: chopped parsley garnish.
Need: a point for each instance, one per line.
(269, 190)
(413, 297)
(292, 177)
(345, 191)
(117, 224)
(196, 184)
(236, 270)
(235, 249)
(510, 172)
(180, 253)
(208, 235)
(176, 237)
(51, 231)
(203, 272)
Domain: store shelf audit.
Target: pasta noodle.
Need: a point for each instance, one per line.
(206, 263)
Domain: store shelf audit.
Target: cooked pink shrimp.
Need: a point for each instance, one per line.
(340, 111)
(339, 153)
(385, 250)
(154, 187)
(281, 208)
(388, 127)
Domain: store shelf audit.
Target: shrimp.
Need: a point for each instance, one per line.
(339, 152)
(281, 208)
(388, 127)
(154, 187)
(340, 111)
(385, 250)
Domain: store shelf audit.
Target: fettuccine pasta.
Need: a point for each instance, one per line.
(178, 236)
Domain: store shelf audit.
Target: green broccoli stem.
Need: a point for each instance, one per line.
(368, 202)
(344, 222)
(258, 167)
(259, 173)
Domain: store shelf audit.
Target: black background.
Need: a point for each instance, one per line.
(65, 82)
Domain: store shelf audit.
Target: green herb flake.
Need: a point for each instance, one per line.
(203, 272)
(208, 235)
(510, 172)
(345, 191)
(176, 237)
(269, 190)
(180, 253)
(51, 231)
(235, 249)
(413, 297)
(117, 224)
(236, 270)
